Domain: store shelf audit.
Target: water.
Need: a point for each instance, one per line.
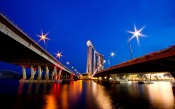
(86, 94)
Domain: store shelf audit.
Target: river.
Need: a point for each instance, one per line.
(86, 94)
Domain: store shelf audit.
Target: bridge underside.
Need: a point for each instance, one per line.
(17, 48)
(13, 52)
(163, 61)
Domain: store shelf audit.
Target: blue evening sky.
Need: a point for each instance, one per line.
(71, 23)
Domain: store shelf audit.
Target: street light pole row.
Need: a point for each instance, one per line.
(58, 54)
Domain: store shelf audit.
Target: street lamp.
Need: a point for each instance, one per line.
(44, 38)
(59, 54)
(135, 34)
(130, 47)
(67, 62)
(112, 54)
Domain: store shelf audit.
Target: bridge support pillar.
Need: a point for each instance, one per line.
(32, 72)
(103, 77)
(55, 73)
(71, 76)
(98, 78)
(39, 72)
(127, 77)
(65, 76)
(23, 72)
(59, 74)
(172, 73)
(52, 75)
(47, 73)
(114, 77)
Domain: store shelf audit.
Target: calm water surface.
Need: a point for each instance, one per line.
(86, 94)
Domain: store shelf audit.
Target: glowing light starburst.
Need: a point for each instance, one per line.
(136, 34)
(67, 63)
(59, 54)
(43, 37)
(112, 54)
(104, 61)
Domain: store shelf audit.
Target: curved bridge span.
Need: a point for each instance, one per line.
(160, 61)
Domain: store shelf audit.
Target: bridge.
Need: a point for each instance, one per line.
(160, 61)
(17, 48)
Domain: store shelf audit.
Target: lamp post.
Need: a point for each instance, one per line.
(130, 48)
(135, 34)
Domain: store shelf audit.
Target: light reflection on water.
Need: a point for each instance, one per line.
(50, 102)
(88, 95)
(101, 97)
(160, 95)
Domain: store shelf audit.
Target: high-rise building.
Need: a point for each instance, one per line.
(95, 61)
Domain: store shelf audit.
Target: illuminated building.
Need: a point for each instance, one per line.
(95, 61)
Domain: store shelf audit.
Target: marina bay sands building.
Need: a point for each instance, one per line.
(95, 61)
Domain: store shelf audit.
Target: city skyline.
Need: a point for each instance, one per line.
(70, 24)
